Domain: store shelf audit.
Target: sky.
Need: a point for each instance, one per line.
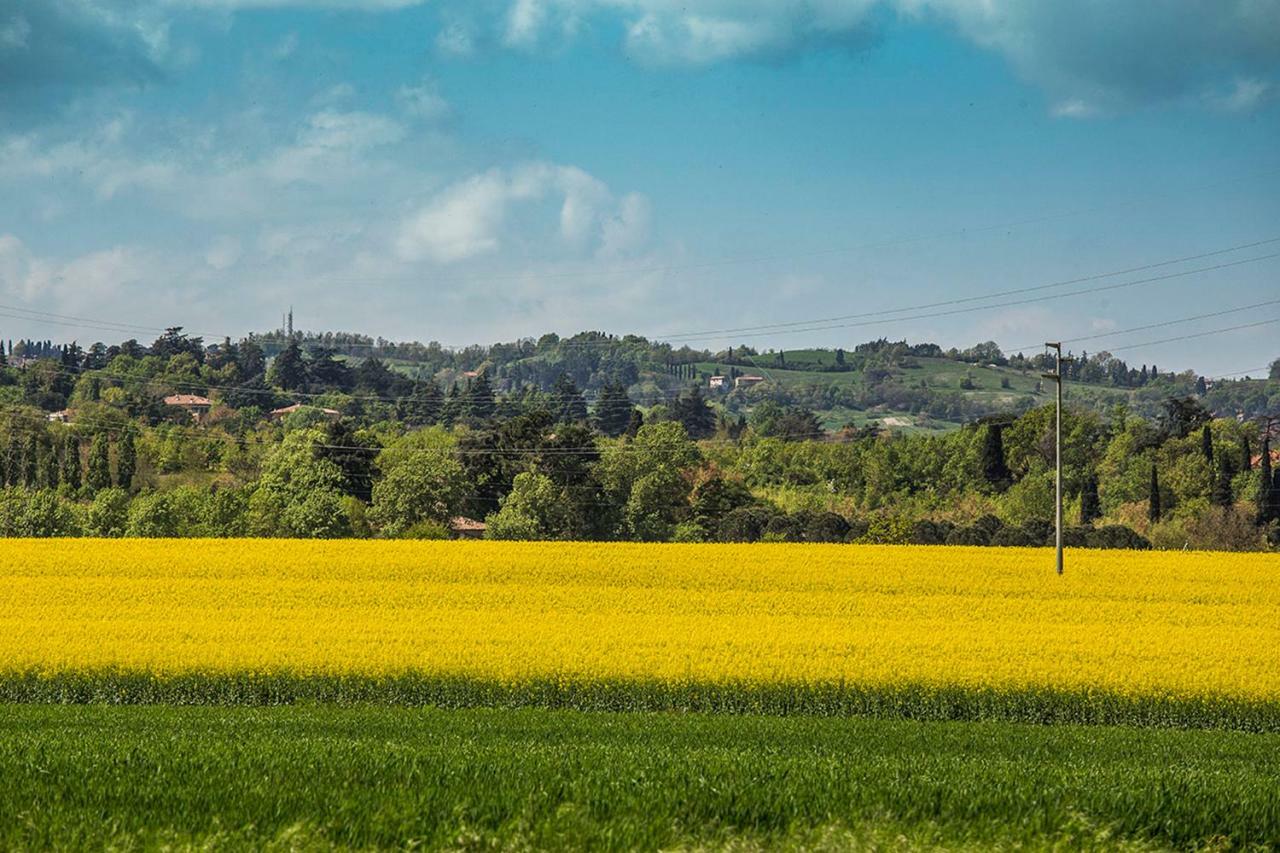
(768, 172)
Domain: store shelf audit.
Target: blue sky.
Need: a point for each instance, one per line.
(475, 171)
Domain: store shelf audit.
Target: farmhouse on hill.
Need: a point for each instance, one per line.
(192, 404)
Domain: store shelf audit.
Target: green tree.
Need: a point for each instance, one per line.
(108, 515)
(151, 517)
(126, 460)
(991, 461)
(535, 508)
(567, 401)
(70, 473)
(288, 369)
(1153, 497)
(613, 410)
(695, 413)
(480, 402)
(644, 475)
(1090, 505)
(1221, 494)
(422, 480)
(1268, 500)
(48, 464)
(98, 472)
(298, 493)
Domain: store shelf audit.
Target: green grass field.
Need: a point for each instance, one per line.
(310, 776)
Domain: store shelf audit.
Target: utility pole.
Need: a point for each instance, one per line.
(1056, 376)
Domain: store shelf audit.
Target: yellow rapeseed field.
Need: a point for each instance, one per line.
(1167, 624)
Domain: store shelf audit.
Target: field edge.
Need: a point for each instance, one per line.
(1035, 705)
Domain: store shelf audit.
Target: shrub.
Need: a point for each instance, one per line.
(926, 532)
(108, 515)
(1117, 536)
(744, 524)
(971, 535)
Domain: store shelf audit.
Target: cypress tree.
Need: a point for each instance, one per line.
(70, 472)
(1090, 505)
(480, 402)
(48, 464)
(1221, 494)
(98, 472)
(1206, 445)
(1266, 485)
(637, 421)
(30, 462)
(994, 469)
(1246, 454)
(126, 460)
(613, 410)
(1153, 497)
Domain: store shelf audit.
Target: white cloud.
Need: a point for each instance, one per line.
(423, 101)
(455, 40)
(1246, 95)
(14, 33)
(470, 217)
(525, 20)
(1074, 108)
(82, 280)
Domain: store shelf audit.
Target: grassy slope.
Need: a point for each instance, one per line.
(95, 776)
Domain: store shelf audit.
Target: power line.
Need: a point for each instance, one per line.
(1179, 321)
(993, 295)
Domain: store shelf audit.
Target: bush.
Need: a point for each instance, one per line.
(151, 516)
(926, 532)
(689, 531)
(108, 515)
(426, 529)
(823, 526)
(972, 535)
(783, 528)
(744, 524)
(1117, 536)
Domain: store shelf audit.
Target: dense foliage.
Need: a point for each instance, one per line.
(597, 437)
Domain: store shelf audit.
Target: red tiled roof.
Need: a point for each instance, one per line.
(187, 400)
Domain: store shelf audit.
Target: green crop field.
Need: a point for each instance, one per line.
(309, 776)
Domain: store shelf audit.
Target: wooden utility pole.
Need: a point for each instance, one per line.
(1056, 376)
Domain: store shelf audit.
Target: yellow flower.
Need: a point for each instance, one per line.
(1136, 623)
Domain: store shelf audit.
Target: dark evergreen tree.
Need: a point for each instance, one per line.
(126, 460)
(613, 410)
(1221, 493)
(251, 359)
(70, 471)
(289, 370)
(1206, 445)
(637, 421)
(48, 474)
(995, 471)
(1201, 387)
(97, 474)
(422, 407)
(1090, 505)
(31, 462)
(1267, 498)
(1246, 454)
(692, 410)
(567, 401)
(480, 403)
(354, 454)
(1153, 497)
(452, 411)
